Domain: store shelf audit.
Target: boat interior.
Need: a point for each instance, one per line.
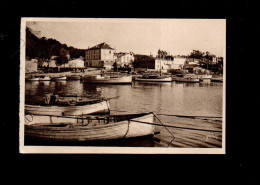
(90, 120)
(59, 100)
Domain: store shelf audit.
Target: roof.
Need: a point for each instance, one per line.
(101, 46)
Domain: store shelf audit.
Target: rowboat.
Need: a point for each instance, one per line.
(62, 106)
(59, 78)
(153, 78)
(89, 128)
(106, 79)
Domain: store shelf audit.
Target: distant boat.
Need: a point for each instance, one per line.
(217, 79)
(204, 77)
(107, 79)
(74, 77)
(44, 78)
(190, 78)
(63, 106)
(32, 78)
(59, 78)
(154, 78)
(109, 127)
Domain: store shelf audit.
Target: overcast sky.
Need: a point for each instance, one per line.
(141, 36)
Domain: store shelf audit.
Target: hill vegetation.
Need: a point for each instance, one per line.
(44, 49)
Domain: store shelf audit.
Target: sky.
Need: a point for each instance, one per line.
(141, 36)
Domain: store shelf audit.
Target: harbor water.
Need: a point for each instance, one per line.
(169, 98)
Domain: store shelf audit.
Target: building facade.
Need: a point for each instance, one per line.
(100, 56)
(165, 64)
(124, 58)
(159, 63)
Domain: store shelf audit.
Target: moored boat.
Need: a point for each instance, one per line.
(44, 78)
(32, 78)
(217, 79)
(107, 79)
(89, 128)
(190, 78)
(204, 77)
(153, 78)
(59, 78)
(63, 106)
(74, 77)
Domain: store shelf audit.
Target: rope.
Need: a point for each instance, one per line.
(190, 116)
(165, 128)
(128, 123)
(178, 127)
(185, 116)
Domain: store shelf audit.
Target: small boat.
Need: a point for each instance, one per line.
(74, 77)
(59, 78)
(63, 106)
(190, 78)
(60, 129)
(107, 79)
(204, 77)
(44, 78)
(154, 78)
(217, 79)
(32, 78)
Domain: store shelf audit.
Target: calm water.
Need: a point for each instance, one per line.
(200, 99)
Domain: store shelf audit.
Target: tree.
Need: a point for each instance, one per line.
(62, 59)
(115, 66)
(196, 54)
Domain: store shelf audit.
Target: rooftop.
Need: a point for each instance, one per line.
(101, 46)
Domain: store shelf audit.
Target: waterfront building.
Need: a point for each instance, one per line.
(76, 63)
(124, 58)
(51, 62)
(159, 63)
(218, 60)
(100, 56)
(164, 64)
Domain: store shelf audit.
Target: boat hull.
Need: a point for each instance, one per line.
(217, 80)
(59, 78)
(166, 79)
(45, 79)
(122, 129)
(120, 80)
(188, 80)
(32, 79)
(74, 78)
(101, 107)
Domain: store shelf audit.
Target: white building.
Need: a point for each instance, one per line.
(178, 62)
(164, 64)
(124, 58)
(77, 63)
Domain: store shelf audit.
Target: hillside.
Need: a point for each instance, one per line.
(46, 48)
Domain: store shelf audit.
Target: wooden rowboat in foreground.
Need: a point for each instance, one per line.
(60, 129)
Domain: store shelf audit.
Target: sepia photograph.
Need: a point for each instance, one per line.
(122, 86)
